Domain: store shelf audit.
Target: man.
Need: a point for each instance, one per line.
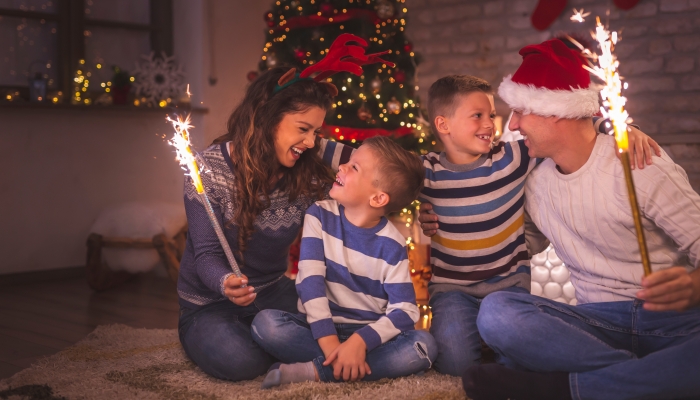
(630, 336)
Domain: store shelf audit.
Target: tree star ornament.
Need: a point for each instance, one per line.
(579, 15)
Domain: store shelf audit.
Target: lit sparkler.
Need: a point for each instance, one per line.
(188, 162)
(614, 110)
(579, 15)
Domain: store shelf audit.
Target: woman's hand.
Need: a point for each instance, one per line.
(237, 294)
(348, 359)
(428, 221)
(672, 289)
(640, 147)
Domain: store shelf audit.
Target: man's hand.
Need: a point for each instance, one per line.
(640, 147)
(237, 294)
(672, 289)
(348, 359)
(428, 221)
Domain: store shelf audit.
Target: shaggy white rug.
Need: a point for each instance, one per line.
(120, 362)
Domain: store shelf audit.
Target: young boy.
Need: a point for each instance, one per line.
(476, 189)
(356, 299)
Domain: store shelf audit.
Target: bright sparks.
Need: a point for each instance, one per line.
(613, 102)
(579, 15)
(183, 150)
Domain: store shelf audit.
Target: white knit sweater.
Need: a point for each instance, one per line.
(587, 217)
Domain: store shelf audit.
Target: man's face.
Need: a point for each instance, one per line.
(539, 133)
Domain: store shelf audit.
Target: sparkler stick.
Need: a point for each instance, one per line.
(614, 109)
(188, 162)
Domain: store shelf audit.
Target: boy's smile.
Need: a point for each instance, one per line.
(468, 133)
(355, 181)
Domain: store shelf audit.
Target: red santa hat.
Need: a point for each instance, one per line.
(551, 81)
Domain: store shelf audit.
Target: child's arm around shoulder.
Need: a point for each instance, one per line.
(334, 153)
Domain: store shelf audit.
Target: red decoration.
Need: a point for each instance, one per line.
(408, 47)
(625, 4)
(345, 57)
(546, 12)
(326, 9)
(252, 75)
(551, 65)
(399, 76)
(271, 24)
(312, 21)
(294, 252)
(365, 133)
(300, 54)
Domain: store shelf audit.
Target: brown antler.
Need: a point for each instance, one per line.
(287, 77)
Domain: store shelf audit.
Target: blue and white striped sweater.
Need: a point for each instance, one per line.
(354, 275)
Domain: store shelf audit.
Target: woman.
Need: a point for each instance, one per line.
(262, 176)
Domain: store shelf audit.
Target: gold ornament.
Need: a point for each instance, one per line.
(385, 9)
(271, 60)
(393, 106)
(376, 85)
(363, 113)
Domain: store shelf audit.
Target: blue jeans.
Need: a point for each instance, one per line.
(217, 336)
(455, 331)
(288, 337)
(614, 350)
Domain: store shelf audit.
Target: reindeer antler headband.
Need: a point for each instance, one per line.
(341, 57)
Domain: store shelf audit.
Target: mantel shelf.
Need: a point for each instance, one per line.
(7, 106)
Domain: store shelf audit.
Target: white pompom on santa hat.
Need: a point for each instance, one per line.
(551, 82)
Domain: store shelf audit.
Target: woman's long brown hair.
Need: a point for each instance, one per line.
(251, 129)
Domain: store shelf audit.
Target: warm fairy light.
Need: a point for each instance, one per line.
(613, 102)
(183, 150)
(579, 15)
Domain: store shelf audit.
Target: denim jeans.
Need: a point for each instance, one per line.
(288, 337)
(217, 336)
(455, 331)
(614, 350)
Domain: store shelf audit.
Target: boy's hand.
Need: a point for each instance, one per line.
(640, 147)
(348, 359)
(237, 294)
(328, 344)
(428, 221)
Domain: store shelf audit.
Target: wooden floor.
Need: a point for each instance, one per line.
(39, 319)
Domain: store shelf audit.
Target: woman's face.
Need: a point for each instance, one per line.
(296, 133)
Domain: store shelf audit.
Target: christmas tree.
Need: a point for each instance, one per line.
(383, 100)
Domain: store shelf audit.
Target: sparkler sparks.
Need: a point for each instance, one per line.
(183, 150)
(188, 161)
(579, 15)
(614, 109)
(613, 101)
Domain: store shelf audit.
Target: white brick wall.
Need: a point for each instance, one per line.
(659, 55)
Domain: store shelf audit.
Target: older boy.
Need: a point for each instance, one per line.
(355, 293)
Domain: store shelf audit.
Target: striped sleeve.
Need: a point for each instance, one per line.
(334, 153)
(401, 311)
(311, 279)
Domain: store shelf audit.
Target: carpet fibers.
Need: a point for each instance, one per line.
(120, 362)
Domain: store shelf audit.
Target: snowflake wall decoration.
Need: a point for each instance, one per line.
(159, 79)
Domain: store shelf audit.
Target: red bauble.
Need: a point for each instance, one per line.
(408, 47)
(252, 75)
(399, 76)
(271, 24)
(326, 9)
(300, 54)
